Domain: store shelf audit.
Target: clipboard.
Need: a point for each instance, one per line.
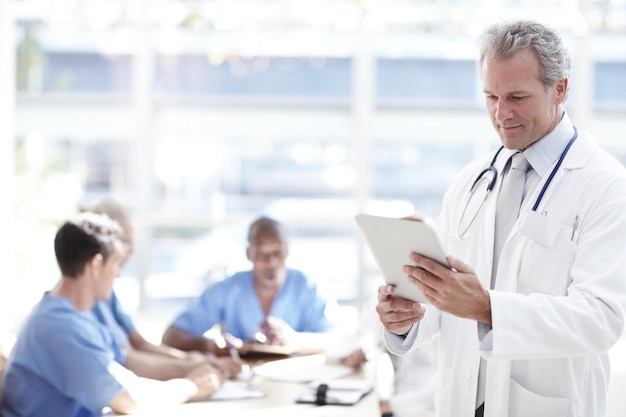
(336, 392)
(391, 240)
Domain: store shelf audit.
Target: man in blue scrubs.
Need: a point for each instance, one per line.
(282, 304)
(132, 349)
(63, 362)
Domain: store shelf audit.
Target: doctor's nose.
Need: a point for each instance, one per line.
(503, 111)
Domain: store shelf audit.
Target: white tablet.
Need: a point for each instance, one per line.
(391, 241)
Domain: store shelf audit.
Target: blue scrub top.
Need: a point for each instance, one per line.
(60, 364)
(112, 315)
(233, 302)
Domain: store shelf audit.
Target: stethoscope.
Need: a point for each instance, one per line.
(493, 172)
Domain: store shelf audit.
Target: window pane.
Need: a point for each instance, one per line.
(433, 82)
(86, 73)
(610, 83)
(257, 76)
(297, 168)
(419, 173)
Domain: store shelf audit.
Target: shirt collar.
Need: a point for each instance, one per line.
(544, 153)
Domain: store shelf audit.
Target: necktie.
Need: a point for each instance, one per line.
(507, 211)
(509, 203)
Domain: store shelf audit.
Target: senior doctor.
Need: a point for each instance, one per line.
(524, 316)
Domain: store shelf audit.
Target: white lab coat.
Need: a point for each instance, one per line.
(415, 382)
(558, 304)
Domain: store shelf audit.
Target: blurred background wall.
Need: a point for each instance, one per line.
(201, 114)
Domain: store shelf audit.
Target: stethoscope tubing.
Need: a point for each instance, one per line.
(493, 170)
(555, 169)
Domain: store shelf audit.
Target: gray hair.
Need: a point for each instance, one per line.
(503, 40)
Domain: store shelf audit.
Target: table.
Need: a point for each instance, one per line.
(280, 401)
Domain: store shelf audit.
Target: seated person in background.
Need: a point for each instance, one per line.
(62, 363)
(136, 353)
(269, 302)
(405, 384)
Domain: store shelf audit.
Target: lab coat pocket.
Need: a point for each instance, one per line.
(540, 228)
(523, 403)
(552, 252)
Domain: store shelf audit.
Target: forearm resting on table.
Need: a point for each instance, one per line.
(140, 343)
(148, 394)
(182, 340)
(155, 366)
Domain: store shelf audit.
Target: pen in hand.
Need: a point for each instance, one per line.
(246, 371)
(226, 342)
(234, 353)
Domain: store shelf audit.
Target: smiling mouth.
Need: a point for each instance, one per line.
(510, 127)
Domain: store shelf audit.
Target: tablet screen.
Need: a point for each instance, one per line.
(391, 241)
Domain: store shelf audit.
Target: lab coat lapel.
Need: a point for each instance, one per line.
(577, 157)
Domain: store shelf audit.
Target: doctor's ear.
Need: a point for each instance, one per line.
(561, 89)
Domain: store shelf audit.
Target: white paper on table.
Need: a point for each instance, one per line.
(231, 390)
(302, 369)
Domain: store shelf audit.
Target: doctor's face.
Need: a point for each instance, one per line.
(522, 109)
